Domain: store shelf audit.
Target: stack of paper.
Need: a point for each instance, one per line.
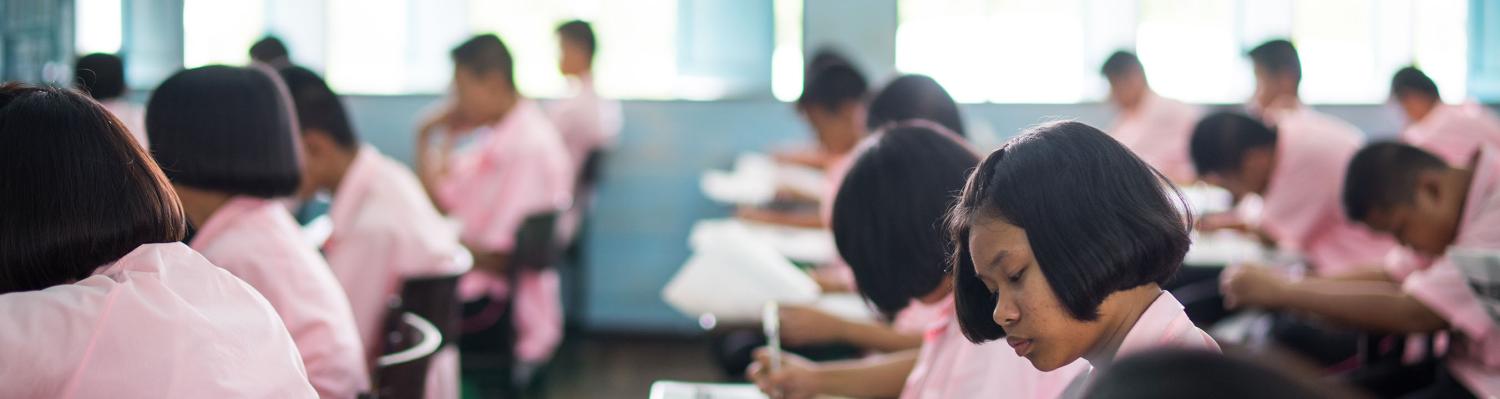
(756, 178)
(732, 274)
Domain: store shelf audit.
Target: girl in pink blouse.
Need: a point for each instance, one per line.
(1063, 239)
(227, 138)
(96, 296)
(887, 223)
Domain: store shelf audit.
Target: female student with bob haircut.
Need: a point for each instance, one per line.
(227, 139)
(887, 223)
(1070, 266)
(96, 296)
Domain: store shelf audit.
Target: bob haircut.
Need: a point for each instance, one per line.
(1097, 218)
(78, 192)
(914, 97)
(888, 213)
(226, 129)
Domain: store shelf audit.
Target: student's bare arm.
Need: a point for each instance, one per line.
(809, 220)
(1367, 305)
(882, 376)
(880, 338)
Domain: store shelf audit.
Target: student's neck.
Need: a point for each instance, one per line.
(1128, 307)
(341, 163)
(1462, 180)
(504, 108)
(200, 205)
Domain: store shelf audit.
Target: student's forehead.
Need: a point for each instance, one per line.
(988, 237)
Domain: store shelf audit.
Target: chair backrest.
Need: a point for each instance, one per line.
(536, 243)
(434, 298)
(402, 371)
(589, 173)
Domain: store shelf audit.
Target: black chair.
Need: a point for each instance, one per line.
(573, 273)
(488, 338)
(401, 372)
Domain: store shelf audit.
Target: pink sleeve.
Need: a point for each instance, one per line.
(1443, 289)
(1294, 213)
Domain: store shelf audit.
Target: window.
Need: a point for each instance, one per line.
(1049, 51)
(220, 31)
(786, 58)
(99, 26)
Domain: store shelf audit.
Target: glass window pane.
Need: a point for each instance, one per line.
(220, 31)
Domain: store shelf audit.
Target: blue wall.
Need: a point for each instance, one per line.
(649, 196)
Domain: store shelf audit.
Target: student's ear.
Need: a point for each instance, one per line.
(317, 143)
(1255, 167)
(1429, 191)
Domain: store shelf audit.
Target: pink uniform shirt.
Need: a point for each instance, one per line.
(1454, 132)
(257, 241)
(384, 231)
(1158, 131)
(1302, 208)
(949, 366)
(1474, 357)
(585, 120)
(132, 115)
(160, 322)
(1163, 325)
(516, 168)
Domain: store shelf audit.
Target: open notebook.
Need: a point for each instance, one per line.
(696, 390)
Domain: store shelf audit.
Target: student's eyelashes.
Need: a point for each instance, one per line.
(1015, 278)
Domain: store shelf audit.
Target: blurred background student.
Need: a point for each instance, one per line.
(1454, 132)
(98, 297)
(515, 166)
(227, 140)
(384, 228)
(102, 76)
(1154, 127)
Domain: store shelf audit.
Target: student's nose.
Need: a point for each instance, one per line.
(1006, 311)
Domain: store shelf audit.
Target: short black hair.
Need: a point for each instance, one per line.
(1410, 80)
(100, 75)
(580, 33)
(226, 129)
(832, 86)
(269, 50)
(1220, 141)
(318, 107)
(1190, 373)
(1278, 57)
(1384, 174)
(825, 57)
(78, 191)
(914, 97)
(888, 214)
(485, 54)
(1120, 63)
(1098, 220)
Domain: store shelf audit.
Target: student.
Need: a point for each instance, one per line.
(1430, 207)
(1156, 128)
(1453, 132)
(587, 122)
(226, 138)
(887, 223)
(833, 104)
(271, 51)
(1296, 174)
(97, 297)
(384, 228)
(914, 97)
(102, 76)
(1071, 264)
(516, 166)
